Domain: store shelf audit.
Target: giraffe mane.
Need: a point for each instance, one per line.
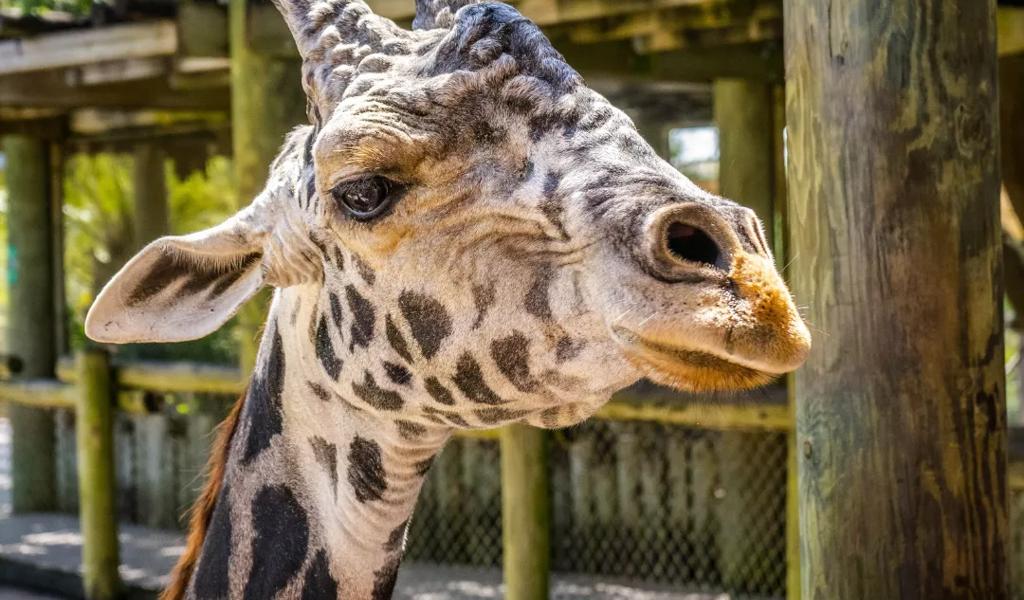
(202, 511)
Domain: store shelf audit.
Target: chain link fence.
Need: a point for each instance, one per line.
(661, 506)
(695, 509)
(643, 502)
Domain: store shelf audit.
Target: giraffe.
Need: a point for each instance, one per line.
(464, 236)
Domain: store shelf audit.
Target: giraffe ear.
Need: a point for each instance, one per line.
(179, 287)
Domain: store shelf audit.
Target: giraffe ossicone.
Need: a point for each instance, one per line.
(465, 236)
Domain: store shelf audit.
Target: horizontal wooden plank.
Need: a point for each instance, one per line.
(491, 435)
(702, 415)
(45, 393)
(195, 377)
(50, 89)
(87, 46)
(93, 121)
(169, 377)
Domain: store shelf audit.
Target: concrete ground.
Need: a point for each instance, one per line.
(9, 593)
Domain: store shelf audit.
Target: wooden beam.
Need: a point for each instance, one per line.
(169, 377)
(50, 89)
(901, 419)
(1010, 32)
(91, 121)
(82, 47)
(115, 71)
(712, 15)
(40, 393)
(760, 62)
(745, 417)
(670, 41)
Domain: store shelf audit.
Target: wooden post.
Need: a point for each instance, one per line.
(749, 139)
(525, 512)
(746, 141)
(266, 101)
(894, 189)
(30, 323)
(151, 219)
(96, 483)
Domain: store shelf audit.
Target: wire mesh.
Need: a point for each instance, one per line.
(458, 515)
(704, 510)
(1016, 539)
(644, 502)
(692, 509)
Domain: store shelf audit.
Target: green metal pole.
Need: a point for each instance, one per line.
(96, 482)
(30, 327)
(525, 512)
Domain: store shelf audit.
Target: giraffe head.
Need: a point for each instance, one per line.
(464, 216)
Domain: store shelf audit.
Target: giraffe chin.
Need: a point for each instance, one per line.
(689, 370)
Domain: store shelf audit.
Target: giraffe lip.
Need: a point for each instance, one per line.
(688, 368)
(687, 355)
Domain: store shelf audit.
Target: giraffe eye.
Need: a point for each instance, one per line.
(367, 197)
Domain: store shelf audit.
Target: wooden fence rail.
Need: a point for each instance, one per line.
(190, 377)
(83, 390)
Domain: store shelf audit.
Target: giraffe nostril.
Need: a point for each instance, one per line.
(692, 244)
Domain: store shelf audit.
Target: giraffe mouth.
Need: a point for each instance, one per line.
(685, 368)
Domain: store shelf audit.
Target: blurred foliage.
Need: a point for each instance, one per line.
(98, 217)
(41, 7)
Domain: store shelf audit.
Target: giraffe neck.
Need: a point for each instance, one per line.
(317, 492)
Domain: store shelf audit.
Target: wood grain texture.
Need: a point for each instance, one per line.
(893, 184)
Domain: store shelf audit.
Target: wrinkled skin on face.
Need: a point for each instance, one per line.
(463, 201)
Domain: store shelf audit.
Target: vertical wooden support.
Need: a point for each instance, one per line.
(266, 101)
(749, 134)
(746, 141)
(525, 512)
(96, 484)
(30, 323)
(152, 218)
(894, 188)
